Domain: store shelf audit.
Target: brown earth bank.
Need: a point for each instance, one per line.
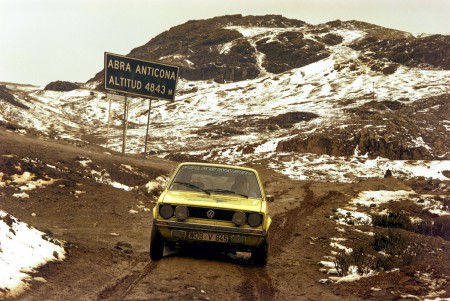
(106, 233)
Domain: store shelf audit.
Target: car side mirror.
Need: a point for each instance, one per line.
(270, 198)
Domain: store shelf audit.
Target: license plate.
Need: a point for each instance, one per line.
(208, 236)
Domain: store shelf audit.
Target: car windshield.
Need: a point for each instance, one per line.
(216, 180)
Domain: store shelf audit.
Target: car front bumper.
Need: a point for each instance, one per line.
(188, 232)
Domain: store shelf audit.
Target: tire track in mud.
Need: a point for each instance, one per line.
(284, 224)
(124, 285)
(257, 284)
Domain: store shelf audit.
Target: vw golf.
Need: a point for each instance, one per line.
(213, 204)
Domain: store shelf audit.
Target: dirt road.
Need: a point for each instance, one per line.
(106, 232)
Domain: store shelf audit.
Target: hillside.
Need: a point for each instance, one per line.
(329, 91)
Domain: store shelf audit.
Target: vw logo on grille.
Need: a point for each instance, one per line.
(210, 213)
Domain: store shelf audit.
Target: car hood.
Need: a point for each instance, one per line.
(213, 200)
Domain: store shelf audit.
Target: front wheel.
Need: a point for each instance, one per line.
(156, 245)
(260, 255)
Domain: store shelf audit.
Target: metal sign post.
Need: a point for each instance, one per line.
(112, 97)
(109, 122)
(125, 125)
(148, 124)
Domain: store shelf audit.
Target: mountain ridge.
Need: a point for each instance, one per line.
(197, 47)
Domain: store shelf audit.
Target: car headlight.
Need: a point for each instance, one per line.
(254, 219)
(181, 212)
(239, 218)
(166, 211)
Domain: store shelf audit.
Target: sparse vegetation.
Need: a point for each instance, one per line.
(390, 248)
(385, 252)
(438, 227)
(392, 220)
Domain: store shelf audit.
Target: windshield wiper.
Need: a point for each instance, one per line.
(227, 191)
(190, 185)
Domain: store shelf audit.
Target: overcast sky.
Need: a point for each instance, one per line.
(47, 40)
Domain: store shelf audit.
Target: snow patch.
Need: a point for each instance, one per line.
(22, 250)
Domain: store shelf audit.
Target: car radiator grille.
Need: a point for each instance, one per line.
(212, 214)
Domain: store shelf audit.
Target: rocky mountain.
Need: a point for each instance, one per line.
(216, 49)
(275, 91)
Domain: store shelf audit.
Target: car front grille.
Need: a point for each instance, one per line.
(211, 214)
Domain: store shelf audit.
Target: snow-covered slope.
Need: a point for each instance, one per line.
(22, 250)
(328, 120)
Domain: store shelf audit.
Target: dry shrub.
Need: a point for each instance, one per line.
(342, 263)
(392, 243)
(385, 252)
(439, 227)
(362, 257)
(392, 220)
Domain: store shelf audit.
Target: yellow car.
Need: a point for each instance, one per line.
(213, 204)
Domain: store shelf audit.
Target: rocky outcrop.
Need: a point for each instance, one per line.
(425, 52)
(288, 120)
(321, 144)
(365, 142)
(6, 95)
(252, 123)
(390, 129)
(62, 86)
(290, 50)
(370, 142)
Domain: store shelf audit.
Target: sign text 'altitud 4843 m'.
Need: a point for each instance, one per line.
(140, 78)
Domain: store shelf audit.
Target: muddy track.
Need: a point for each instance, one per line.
(253, 284)
(284, 224)
(257, 285)
(124, 285)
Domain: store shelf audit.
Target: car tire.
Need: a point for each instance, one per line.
(156, 245)
(260, 255)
